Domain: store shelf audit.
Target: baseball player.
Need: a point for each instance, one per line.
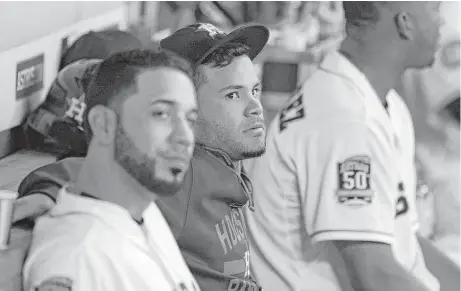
(106, 231)
(206, 215)
(335, 191)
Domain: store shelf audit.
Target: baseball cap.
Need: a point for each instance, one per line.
(60, 117)
(99, 45)
(197, 41)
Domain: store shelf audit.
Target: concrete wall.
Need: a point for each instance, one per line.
(31, 29)
(22, 22)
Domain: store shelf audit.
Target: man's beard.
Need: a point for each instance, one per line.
(230, 141)
(140, 166)
(254, 154)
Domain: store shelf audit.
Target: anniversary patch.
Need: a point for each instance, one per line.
(354, 187)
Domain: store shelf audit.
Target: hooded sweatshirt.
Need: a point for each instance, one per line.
(205, 216)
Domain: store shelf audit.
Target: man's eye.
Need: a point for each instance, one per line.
(160, 114)
(256, 91)
(192, 119)
(233, 95)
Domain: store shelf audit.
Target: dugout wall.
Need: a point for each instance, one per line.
(32, 37)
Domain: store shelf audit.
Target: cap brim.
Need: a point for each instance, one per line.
(253, 36)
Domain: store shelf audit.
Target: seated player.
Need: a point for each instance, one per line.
(335, 205)
(106, 231)
(206, 215)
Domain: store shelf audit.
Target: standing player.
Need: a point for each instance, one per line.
(206, 215)
(335, 191)
(106, 232)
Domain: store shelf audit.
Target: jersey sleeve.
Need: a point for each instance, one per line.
(351, 185)
(50, 178)
(63, 268)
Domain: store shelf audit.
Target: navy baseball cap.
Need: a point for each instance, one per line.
(197, 41)
(99, 45)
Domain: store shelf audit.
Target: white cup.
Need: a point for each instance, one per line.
(7, 199)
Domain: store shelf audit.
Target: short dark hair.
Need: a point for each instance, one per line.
(221, 57)
(117, 74)
(361, 13)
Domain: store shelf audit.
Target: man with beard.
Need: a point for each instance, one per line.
(206, 215)
(336, 188)
(106, 231)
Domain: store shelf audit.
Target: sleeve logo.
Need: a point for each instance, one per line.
(354, 187)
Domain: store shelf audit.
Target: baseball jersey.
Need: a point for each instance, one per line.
(338, 166)
(205, 216)
(89, 244)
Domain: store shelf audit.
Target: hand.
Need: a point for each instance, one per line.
(12, 259)
(31, 206)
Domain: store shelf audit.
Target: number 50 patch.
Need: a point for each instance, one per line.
(354, 187)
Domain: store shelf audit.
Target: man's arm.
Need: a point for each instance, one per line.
(31, 206)
(63, 266)
(39, 190)
(50, 177)
(442, 267)
(356, 208)
(371, 266)
(12, 258)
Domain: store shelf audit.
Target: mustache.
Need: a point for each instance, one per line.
(256, 122)
(177, 153)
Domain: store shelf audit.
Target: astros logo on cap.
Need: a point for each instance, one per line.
(210, 29)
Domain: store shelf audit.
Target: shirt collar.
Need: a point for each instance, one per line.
(340, 65)
(134, 203)
(68, 202)
(223, 157)
(237, 168)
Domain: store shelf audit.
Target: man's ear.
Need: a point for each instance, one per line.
(103, 123)
(405, 25)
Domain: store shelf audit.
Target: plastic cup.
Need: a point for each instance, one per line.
(7, 199)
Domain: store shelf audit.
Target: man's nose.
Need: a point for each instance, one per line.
(183, 133)
(254, 107)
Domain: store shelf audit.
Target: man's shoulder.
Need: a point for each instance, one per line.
(175, 207)
(65, 169)
(69, 236)
(71, 231)
(325, 82)
(63, 244)
(203, 163)
(54, 240)
(329, 97)
(323, 102)
(58, 173)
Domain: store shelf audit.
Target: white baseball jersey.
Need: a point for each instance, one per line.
(85, 244)
(338, 166)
